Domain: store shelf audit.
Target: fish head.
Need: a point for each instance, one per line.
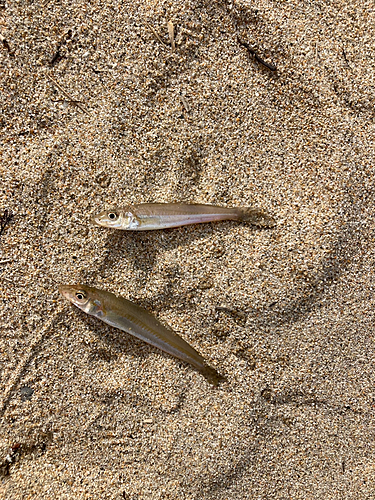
(84, 297)
(116, 219)
(109, 218)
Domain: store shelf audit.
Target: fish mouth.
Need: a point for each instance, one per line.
(96, 220)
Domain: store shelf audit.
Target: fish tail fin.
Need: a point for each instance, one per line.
(212, 376)
(256, 217)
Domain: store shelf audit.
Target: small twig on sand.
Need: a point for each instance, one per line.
(171, 35)
(155, 34)
(66, 102)
(267, 65)
(67, 95)
(185, 103)
(58, 56)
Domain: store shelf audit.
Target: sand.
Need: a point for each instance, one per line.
(285, 314)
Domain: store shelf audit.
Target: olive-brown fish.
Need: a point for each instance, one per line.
(148, 216)
(129, 317)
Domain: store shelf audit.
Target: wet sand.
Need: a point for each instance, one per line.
(285, 314)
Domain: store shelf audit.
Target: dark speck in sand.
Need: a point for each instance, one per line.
(26, 393)
(5, 219)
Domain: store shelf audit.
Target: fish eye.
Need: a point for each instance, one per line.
(112, 215)
(80, 295)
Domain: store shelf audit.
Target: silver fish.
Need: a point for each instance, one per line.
(148, 216)
(129, 317)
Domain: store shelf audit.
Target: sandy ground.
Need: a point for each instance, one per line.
(285, 314)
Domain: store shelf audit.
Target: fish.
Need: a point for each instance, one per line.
(133, 319)
(151, 216)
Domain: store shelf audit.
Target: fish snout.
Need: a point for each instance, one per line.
(95, 219)
(66, 291)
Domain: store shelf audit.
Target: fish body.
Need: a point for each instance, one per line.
(150, 216)
(133, 319)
